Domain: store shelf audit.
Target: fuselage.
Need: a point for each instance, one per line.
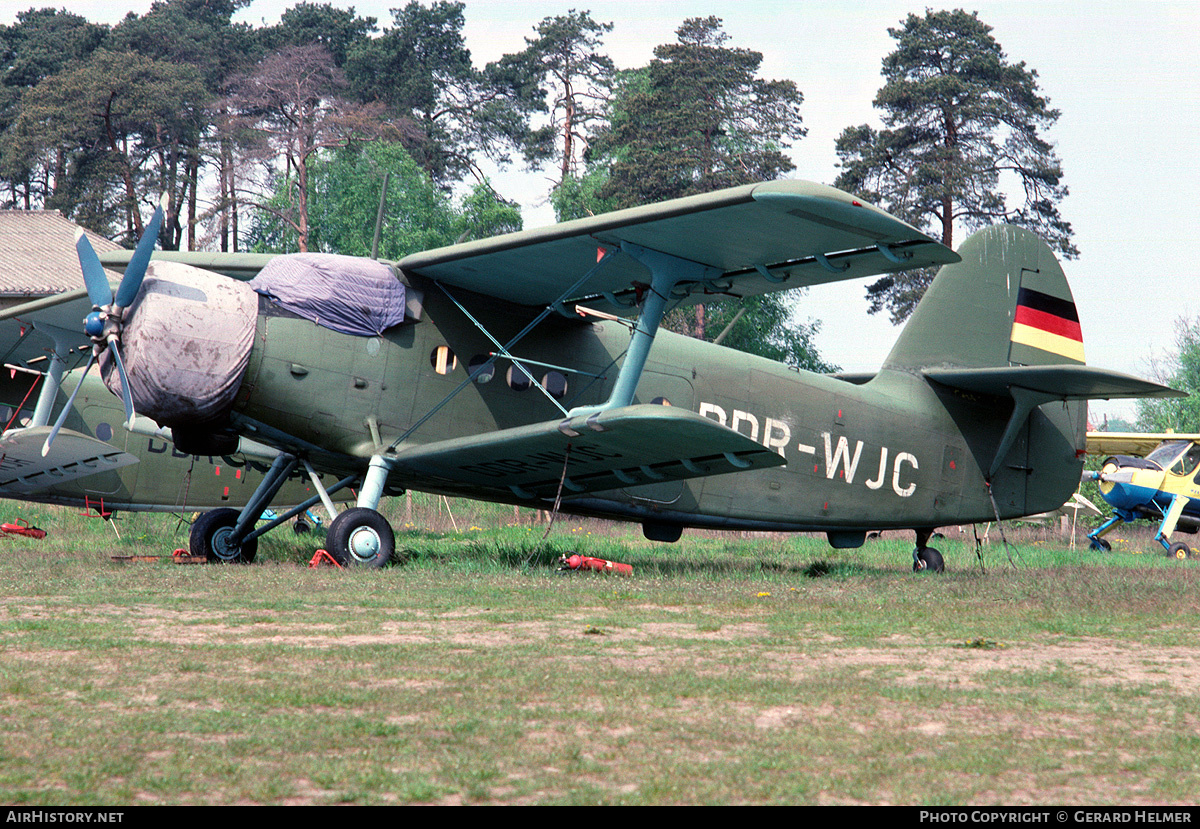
(894, 452)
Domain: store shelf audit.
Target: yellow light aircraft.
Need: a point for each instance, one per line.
(1151, 476)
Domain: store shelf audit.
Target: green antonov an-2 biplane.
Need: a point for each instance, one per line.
(530, 369)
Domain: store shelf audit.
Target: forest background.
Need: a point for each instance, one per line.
(1123, 79)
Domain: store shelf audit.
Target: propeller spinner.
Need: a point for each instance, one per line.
(103, 325)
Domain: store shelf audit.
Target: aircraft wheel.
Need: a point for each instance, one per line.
(210, 538)
(928, 559)
(361, 537)
(300, 527)
(1179, 550)
(1102, 545)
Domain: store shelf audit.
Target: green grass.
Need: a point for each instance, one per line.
(726, 670)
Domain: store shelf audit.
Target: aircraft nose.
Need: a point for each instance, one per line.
(1121, 487)
(1111, 474)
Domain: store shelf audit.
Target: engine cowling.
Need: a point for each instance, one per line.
(186, 343)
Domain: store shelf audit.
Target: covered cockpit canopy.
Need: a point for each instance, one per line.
(346, 293)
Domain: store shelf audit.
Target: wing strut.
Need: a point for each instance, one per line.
(58, 364)
(554, 306)
(666, 273)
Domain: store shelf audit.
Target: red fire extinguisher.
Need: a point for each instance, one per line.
(578, 562)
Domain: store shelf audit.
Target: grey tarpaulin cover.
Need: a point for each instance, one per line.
(346, 293)
(185, 345)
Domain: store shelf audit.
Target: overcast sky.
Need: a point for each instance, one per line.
(1125, 75)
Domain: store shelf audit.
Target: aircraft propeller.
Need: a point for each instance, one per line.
(103, 325)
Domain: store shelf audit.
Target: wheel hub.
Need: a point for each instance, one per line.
(222, 547)
(364, 543)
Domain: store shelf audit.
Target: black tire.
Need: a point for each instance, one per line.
(210, 534)
(929, 559)
(1102, 545)
(360, 537)
(1180, 551)
(300, 527)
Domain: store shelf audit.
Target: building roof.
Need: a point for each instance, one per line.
(37, 253)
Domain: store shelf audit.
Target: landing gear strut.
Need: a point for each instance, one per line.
(360, 536)
(926, 557)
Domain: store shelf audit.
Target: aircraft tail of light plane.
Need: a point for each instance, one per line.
(530, 369)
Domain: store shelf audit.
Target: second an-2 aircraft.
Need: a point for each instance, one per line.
(530, 369)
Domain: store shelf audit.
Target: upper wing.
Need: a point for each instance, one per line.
(761, 237)
(243, 266)
(58, 318)
(1130, 443)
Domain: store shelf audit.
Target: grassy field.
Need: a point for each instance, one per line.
(764, 670)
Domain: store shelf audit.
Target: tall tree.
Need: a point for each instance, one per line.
(338, 30)
(704, 121)
(959, 120)
(41, 43)
(1180, 370)
(199, 34)
(697, 119)
(293, 100)
(120, 114)
(447, 112)
(565, 55)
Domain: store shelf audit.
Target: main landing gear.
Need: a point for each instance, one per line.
(926, 557)
(359, 536)
(212, 537)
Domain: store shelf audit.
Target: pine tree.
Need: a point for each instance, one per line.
(962, 144)
(703, 121)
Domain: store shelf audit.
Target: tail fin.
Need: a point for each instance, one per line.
(1001, 326)
(1006, 303)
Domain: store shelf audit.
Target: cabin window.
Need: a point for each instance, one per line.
(480, 369)
(517, 379)
(661, 401)
(556, 384)
(443, 360)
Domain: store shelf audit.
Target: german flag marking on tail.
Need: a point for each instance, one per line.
(1048, 323)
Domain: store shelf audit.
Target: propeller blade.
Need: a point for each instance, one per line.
(136, 271)
(126, 396)
(62, 417)
(94, 278)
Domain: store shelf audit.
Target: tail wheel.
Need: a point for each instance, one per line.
(928, 559)
(361, 537)
(1179, 550)
(1102, 545)
(210, 537)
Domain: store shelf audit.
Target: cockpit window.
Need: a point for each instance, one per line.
(1168, 452)
(1188, 461)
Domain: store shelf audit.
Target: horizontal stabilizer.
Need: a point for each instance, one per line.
(23, 470)
(618, 448)
(1064, 381)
